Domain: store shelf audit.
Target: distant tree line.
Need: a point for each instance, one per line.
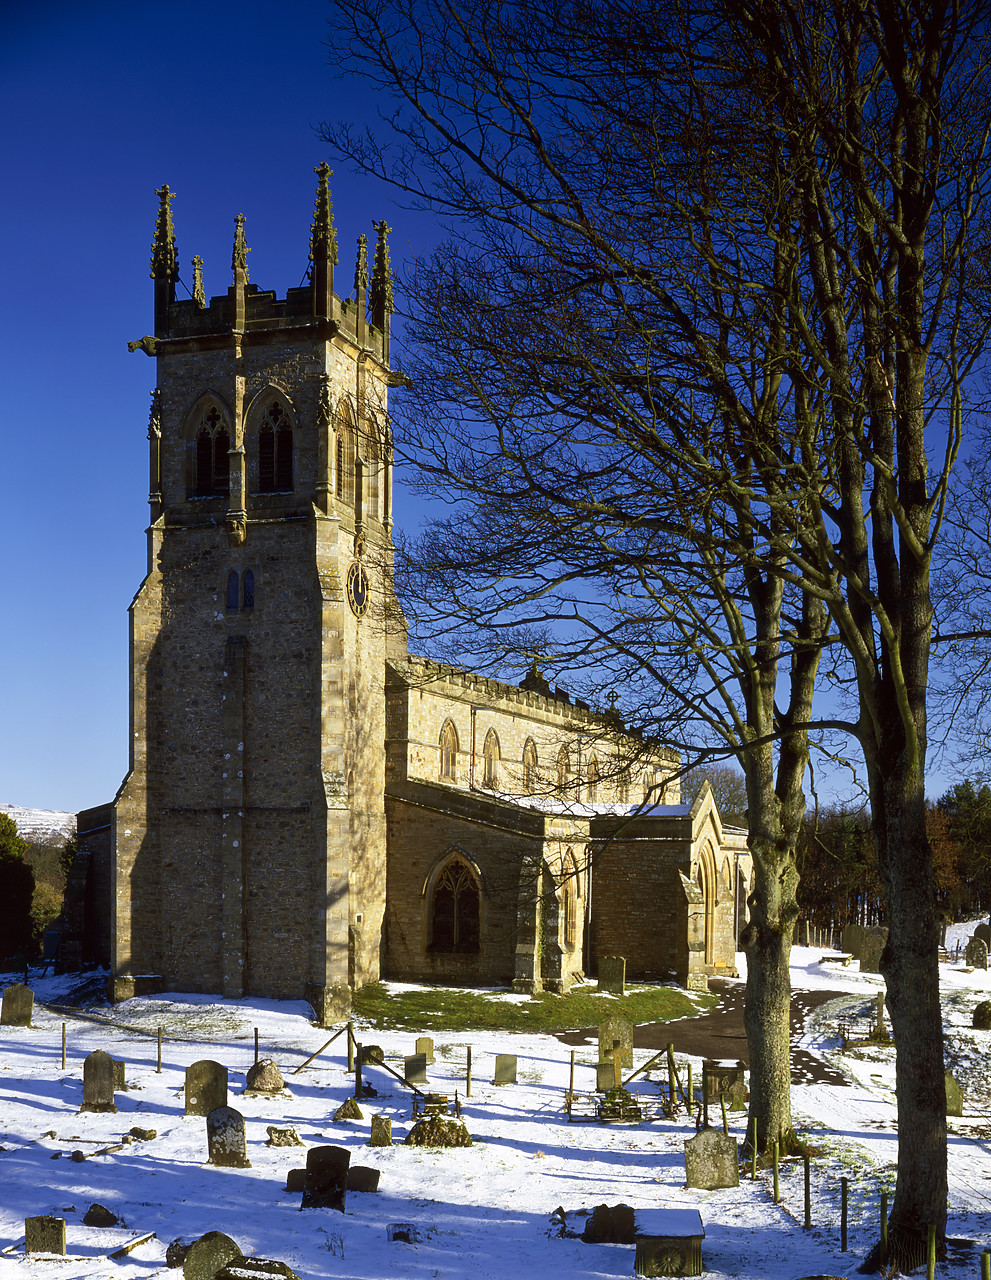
(32, 888)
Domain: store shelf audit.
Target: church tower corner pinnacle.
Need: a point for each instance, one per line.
(323, 246)
(380, 294)
(164, 259)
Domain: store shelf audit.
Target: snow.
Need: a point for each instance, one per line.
(40, 825)
(483, 1212)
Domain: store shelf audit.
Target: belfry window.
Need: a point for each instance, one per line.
(455, 910)
(275, 445)
(213, 444)
(490, 760)
(240, 590)
(449, 752)
(529, 767)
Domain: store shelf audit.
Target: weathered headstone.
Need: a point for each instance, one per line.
(225, 1139)
(44, 1234)
(98, 1082)
(697, 980)
(871, 945)
(976, 955)
(616, 1033)
(296, 1180)
(381, 1132)
(348, 1110)
(259, 1268)
(175, 1252)
(264, 1077)
(120, 1067)
(287, 1137)
(17, 1006)
(612, 974)
(425, 1045)
(982, 1016)
(372, 1053)
(208, 1255)
(851, 938)
(610, 1224)
(983, 931)
(326, 1178)
(206, 1087)
(416, 1069)
(505, 1069)
(954, 1096)
(711, 1161)
(363, 1178)
(98, 1215)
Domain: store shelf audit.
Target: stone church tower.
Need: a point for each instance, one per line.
(249, 834)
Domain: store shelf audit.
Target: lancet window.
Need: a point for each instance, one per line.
(454, 916)
(275, 450)
(213, 442)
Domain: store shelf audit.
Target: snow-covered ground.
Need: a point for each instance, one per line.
(41, 824)
(481, 1212)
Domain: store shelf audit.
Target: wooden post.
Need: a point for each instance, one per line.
(63, 1046)
(986, 1265)
(671, 1089)
(808, 1193)
(931, 1252)
(468, 1075)
(753, 1150)
(843, 1199)
(777, 1186)
(357, 1070)
(571, 1083)
(705, 1097)
(691, 1092)
(256, 1046)
(884, 1226)
(158, 1069)
(350, 1047)
(722, 1101)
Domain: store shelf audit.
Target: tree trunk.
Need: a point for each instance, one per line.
(767, 1014)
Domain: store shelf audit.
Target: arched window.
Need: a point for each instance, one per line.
(592, 787)
(275, 451)
(449, 751)
(344, 457)
(455, 909)
(213, 442)
(240, 590)
(490, 760)
(563, 769)
(529, 767)
(571, 892)
(623, 787)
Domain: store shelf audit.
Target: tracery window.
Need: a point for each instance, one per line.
(213, 443)
(275, 446)
(491, 756)
(529, 767)
(344, 459)
(449, 751)
(454, 912)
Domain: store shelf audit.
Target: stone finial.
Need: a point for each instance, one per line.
(361, 266)
(239, 257)
(380, 295)
(164, 263)
(198, 295)
(323, 237)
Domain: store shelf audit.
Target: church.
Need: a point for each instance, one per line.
(309, 807)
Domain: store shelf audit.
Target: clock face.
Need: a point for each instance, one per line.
(357, 589)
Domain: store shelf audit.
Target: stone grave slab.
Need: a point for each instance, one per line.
(505, 1069)
(669, 1242)
(415, 1069)
(98, 1082)
(616, 1033)
(326, 1178)
(871, 945)
(226, 1140)
(206, 1087)
(381, 1132)
(361, 1177)
(712, 1161)
(425, 1045)
(208, 1255)
(612, 974)
(44, 1234)
(17, 1006)
(976, 955)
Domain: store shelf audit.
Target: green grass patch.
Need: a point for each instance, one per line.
(447, 1009)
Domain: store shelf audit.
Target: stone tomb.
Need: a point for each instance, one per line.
(326, 1178)
(208, 1255)
(44, 1234)
(612, 974)
(17, 1006)
(871, 945)
(669, 1242)
(425, 1046)
(415, 1071)
(225, 1139)
(505, 1069)
(206, 1087)
(976, 955)
(616, 1033)
(712, 1161)
(98, 1082)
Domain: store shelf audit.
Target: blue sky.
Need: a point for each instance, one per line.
(104, 102)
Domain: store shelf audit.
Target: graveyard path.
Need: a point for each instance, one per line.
(720, 1033)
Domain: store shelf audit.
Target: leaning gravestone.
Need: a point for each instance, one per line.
(381, 1135)
(326, 1178)
(208, 1255)
(17, 1006)
(425, 1045)
(976, 955)
(711, 1161)
(954, 1096)
(871, 946)
(264, 1077)
(616, 1033)
(225, 1139)
(416, 1069)
(206, 1087)
(851, 938)
(98, 1082)
(612, 974)
(44, 1234)
(983, 931)
(505, 1069)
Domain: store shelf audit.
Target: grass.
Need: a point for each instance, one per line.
(456, 1009)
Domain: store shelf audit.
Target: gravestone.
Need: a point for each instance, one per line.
(723, 1076)
(976, 955)
(363, 1178)
(871, 946)
(372, 1053)
(208, 1255)
(98, 1215)
(326, 1178)
(711, 1161)
(296, 1180)
(348, 1110)
(415, 1071)
(381, 1132)
(505, 1069)
(612, 974)
(616, 1033)
(206, 1087)
(44, 1234)
(983, 931)
(261, 1268)
(610, 1224)
(175, 1252)
(954, 1096)
(287, 1137)
(98, 1082)
(425, 1045)
(605, 1076)
(17, 1006)
(851, 938)
(669, 1242)
(264, 1077)
(982, 1016)
(225, 1139)
(120, 1067)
